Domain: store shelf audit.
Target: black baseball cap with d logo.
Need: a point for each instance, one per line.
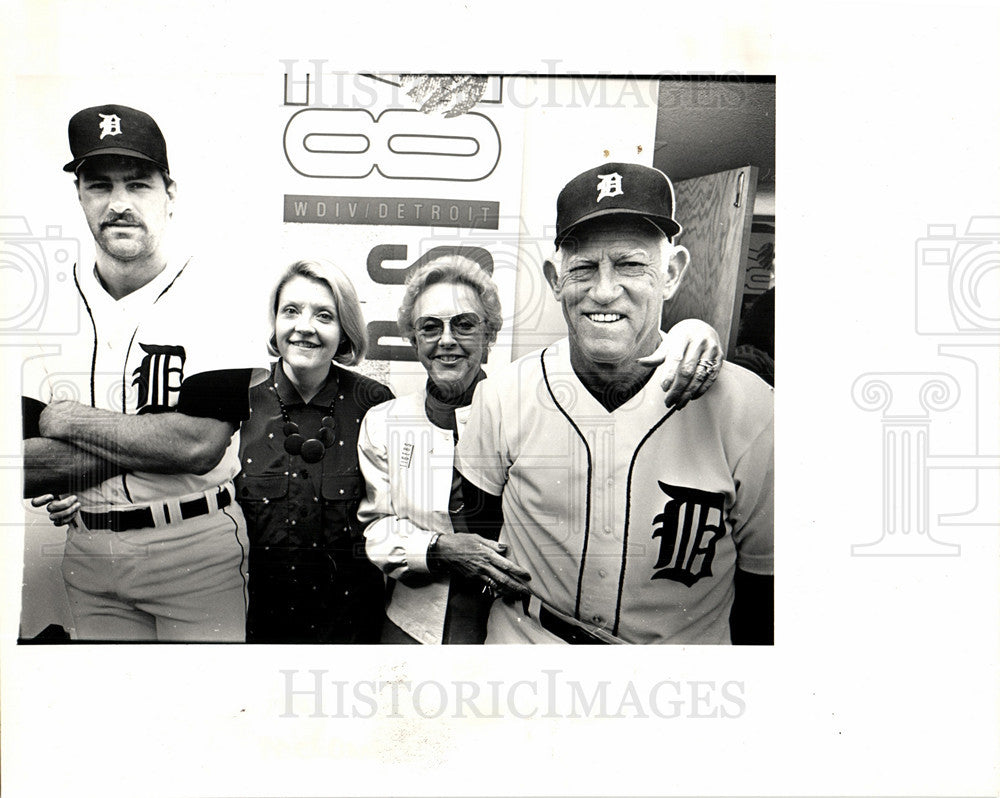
(626, 188)
(115, 130)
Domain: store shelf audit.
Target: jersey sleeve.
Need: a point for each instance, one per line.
(31, 415)
(396, 545)
(224, 395)
(481, 455)
(753, 511)
(37, 391)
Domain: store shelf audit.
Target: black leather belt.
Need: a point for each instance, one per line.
(571, 633)
(142, 517)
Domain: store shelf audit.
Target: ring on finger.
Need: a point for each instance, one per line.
(708, 366)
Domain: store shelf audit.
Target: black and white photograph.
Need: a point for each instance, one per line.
(600, 498)
(329, 346)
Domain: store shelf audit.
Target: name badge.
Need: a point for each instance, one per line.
(406, 455)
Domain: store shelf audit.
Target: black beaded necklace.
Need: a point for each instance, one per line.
(311, 449)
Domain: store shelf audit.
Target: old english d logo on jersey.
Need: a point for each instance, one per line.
(158, 377)
(689, 527)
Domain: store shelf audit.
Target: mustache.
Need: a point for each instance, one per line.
(115, 218)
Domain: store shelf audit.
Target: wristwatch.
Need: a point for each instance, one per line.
(433, 565)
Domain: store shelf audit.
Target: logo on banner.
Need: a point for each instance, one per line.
(610, 186)
(689, 527)
(111, 125)
(158, 377)
(398, 144)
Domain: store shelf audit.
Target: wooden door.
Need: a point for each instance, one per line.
(715, 212)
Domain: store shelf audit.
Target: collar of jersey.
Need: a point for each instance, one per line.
(559, 366)
(94, 291)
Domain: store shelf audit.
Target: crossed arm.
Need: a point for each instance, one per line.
(78, 446)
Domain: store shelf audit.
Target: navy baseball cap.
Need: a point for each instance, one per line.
(626, 188)
(115, 130)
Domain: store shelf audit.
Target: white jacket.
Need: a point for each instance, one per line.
(408, 463)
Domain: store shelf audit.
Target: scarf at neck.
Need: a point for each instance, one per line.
(441, 410)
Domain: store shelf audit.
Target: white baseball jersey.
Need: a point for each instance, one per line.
(631, 522)
(131, 356)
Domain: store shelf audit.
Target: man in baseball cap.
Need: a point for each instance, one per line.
(140, 462)
(636, 525)
(115, 130)
(601, 192)
(111, 145)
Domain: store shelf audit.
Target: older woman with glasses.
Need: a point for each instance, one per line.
(414, 503)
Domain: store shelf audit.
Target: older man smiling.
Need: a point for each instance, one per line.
(636, 525)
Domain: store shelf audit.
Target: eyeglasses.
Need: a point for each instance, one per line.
(462, 325)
